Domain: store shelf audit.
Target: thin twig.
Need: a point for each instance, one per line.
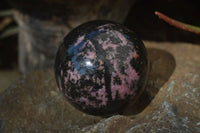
(178, 24)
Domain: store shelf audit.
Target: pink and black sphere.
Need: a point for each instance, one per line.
(100, 67)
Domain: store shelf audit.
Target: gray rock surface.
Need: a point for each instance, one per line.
(170, 103)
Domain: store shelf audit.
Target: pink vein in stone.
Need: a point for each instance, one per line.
(80, 39)
(121, 37)
(87, 101)
(72, 75)
(93, 94)
(69, 64)
(101, 93)
(101, 67)
(87, 77)
(103, 27)
(98, 81)
(131, 75)
(109, 45)
(123, 89)
(102, 96)
(90, 55)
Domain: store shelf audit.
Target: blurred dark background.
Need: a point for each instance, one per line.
(141, 19)
(8, 45)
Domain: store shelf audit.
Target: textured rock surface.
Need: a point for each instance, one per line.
(7, 77)
(171, 102)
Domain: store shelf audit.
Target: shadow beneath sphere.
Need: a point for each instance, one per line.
(161, 67)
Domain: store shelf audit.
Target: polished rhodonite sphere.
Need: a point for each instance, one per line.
(100, 67)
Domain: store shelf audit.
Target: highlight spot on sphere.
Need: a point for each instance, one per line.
(100, 67)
